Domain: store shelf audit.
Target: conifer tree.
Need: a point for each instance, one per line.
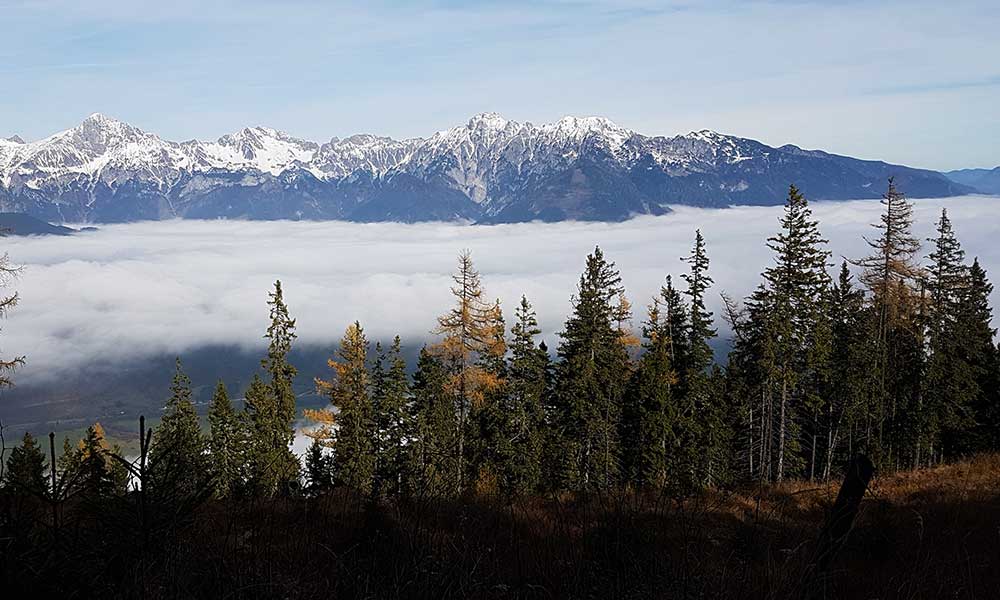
(749, 369)
(649, 414)
(318, 470)
(94, 468)
(891, 274)
(270, 407)
(353, 441)
(699, 326)
(488, 445)
(590, 380)
(431, 457)
(25, 472)
(695, 456)
(522, 436)
(977, 349)
(177, 457)
(845, 409)
(393, 422)
(225, 443)
(796, 284)
(950, 386)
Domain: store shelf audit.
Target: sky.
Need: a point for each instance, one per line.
(909, 82)
(145, 289)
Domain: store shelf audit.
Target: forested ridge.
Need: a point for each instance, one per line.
(891, 355)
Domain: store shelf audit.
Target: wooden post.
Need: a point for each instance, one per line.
(55, 491)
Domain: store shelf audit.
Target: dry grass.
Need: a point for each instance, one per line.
(933, 533)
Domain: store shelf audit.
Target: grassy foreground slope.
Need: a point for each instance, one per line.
(933, 533)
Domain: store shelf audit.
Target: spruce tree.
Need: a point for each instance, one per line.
(393, 422)
(225, 443)
(318, 470)
(695, 454)
(749, 372)
(796, 285)
(353, 441)
(649, 413)
(950, 386)
(431, 456)
(522, 435)
(270, 407)
(177, 457)
(25, 471)
(977, 349)
(850, 358)
(591, 377)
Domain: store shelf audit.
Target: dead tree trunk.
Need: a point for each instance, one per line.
(845, 509)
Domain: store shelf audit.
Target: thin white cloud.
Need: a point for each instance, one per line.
(129, 291)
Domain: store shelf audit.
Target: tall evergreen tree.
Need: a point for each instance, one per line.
(177, 457)
(393, 422)
(850, 360)
(796, 285)
(226, 443)
(522, 436)
(590, 380)
(353, 441)
(650, 412)
(695, 424)
(748, 371)
(318, 470)
(431, 458)
(25, 472)
(976, 347)
(270, 407)
(950, 386)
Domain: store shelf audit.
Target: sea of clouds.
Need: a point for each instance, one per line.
(144, 289)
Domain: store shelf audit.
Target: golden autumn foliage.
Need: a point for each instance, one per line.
(473, 338)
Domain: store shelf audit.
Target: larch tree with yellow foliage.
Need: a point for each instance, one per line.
(94, 467)
(471, 349)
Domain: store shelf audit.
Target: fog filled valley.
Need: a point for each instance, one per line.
(103, 314)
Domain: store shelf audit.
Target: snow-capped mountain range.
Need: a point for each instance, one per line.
(488, 170)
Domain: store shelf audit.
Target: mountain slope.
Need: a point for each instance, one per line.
(490, 169)
(986, 181)
(19, 224)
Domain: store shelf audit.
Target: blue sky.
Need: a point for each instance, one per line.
(909, 82)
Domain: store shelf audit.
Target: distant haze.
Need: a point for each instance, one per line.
(154, 288)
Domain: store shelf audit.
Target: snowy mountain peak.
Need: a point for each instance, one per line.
(99, 118)
(571, 123)
(260, 148)
(707, 135)
(488, 120)
(14, 139)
